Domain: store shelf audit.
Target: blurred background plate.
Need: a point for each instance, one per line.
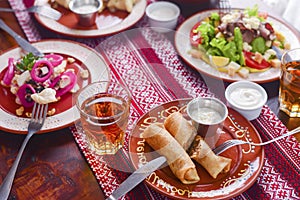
(107, 23)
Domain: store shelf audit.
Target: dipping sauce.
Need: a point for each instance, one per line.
(245, 97)
(163, 13)
(84, 9)
(206, 115)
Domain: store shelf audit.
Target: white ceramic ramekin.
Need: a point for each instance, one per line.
(162, 16)
(251, 105)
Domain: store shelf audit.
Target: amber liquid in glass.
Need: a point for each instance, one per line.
(105, 122)
(289, 93)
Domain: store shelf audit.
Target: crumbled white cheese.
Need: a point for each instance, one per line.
(269, 43)
(230, 18)
(252, 22)
(44, 70)
(246, 46)
(22, 78)
(44, 97)
(60, 68)
(65, 81)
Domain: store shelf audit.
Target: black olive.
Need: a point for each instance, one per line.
(28, 98)
(39, 88)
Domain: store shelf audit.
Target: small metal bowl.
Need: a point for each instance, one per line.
(85, 10)
(208, 115)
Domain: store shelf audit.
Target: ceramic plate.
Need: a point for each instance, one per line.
(182, 45)
(246, 164)
(107, 22)
(65, 110)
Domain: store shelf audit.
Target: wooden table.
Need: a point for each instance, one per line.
(52, 166)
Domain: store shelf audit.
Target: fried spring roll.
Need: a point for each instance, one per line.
(202, 153)
(185, 134)
(180, 129)
(179, 161)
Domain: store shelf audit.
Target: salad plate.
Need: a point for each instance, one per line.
(246, 162)
(83, 58)
(183, 46)
(107, 23)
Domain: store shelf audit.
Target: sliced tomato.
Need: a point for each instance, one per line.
(195, 39)
(253, 64)
(263, 15)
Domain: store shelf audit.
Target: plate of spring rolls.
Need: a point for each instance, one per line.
(192, 169)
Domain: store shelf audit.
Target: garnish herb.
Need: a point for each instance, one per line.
(27, 62)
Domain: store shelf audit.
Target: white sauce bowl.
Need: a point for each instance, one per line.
(247, 98)
(162, 16)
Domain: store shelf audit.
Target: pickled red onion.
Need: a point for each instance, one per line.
(55, 59)
(38, 64)
(10, 72)
(22, 93)
(62, 91)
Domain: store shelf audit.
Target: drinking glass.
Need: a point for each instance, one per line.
(104, 109)
(289, 90)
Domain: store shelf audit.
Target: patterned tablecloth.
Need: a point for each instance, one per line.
(147, 63)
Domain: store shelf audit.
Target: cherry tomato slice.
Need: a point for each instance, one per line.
(195, 39)
(253, 64)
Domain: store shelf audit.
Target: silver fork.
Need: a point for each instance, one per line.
(24, 44)
(231, 143)
(46, 11)
(39, 113)
(224, 6)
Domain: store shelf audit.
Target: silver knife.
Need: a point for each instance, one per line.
(138, 176)
(24, 44)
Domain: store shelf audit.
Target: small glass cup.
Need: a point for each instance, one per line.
(289, 89)
(207, 115)
(104, 109)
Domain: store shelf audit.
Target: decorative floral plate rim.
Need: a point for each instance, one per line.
(246, 165)
(182, 45)
(98, 70)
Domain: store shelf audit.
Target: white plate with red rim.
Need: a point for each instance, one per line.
(66, 112)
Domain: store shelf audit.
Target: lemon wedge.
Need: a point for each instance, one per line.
(219, 61)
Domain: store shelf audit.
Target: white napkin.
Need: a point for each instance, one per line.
(291, 13)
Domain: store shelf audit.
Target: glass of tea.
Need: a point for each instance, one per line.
(104, 110)
(289, 90)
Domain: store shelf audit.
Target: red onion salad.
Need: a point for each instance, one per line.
(39, 79)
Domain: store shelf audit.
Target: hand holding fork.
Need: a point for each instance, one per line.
(36, 122)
